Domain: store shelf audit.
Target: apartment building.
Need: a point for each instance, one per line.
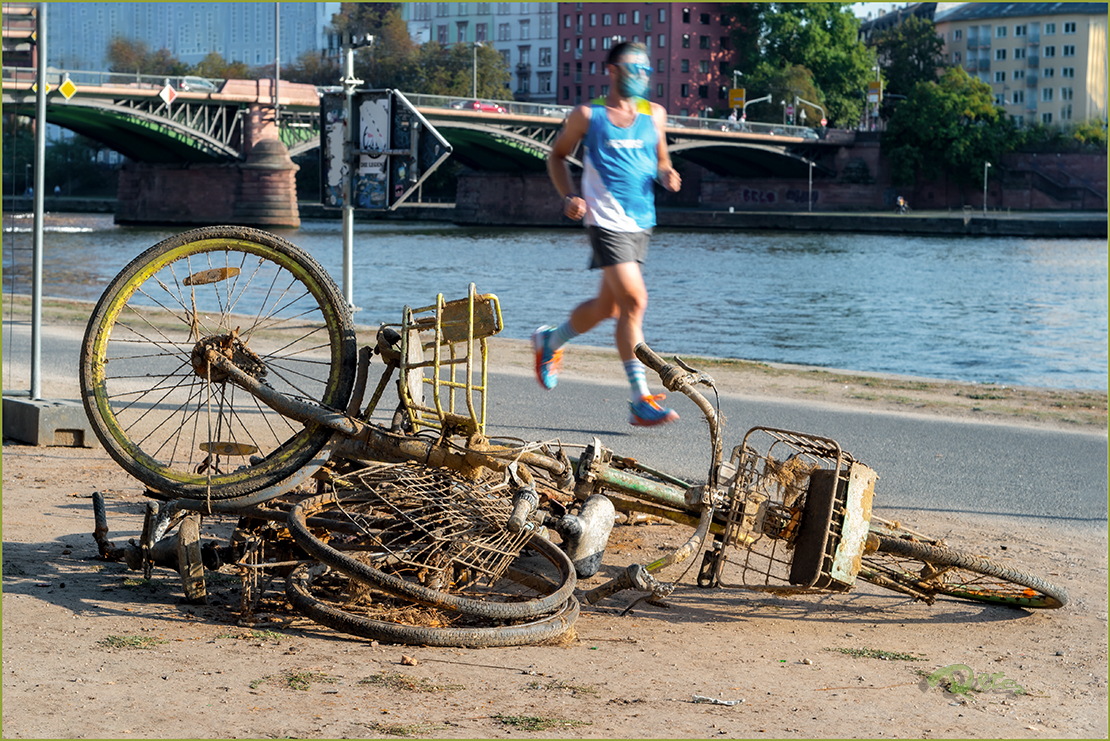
(239, 32)
(524, 34)
(1046, 62)
(688, 44)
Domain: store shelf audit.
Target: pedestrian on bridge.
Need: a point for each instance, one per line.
(625, 151)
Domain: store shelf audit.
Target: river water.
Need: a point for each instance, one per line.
(1014, 311)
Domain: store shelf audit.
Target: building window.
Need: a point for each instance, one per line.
(1067, 93)
(1050, 29)
(1067, 72)
(1018, 97)
(1048, 51)
(593, 68)
(662, 15)
(566, 45)
(999, 100)
(1000, 32)
(441, 34)
(726, 43)
(1048, 72)
(1065, 113)
(504, 32)
(543, 80)
(1019, 74)
(593, 43)
(504, 9)
(525, 30)
(722, 92)
(659, 90)
(684, 112)
(685, 90)
(684, 65)
(566, 93)
(1046, 95)
(606, 42)
(1019, 30)
(566, 24)
(604, 91)
(622, 18)
(461, 32)
(1000, 77)
(635, 17)
(685, 41)
(505, 53)
(704, 18)
(703, 42)
(1019, 120)
(685, 15)
(703, 91)
(590, 92)
(593, 19)
(606, 19)
(999, 55)
(1019, 53)
(703, 66)
(957, 34)
(662, 40)
(442, 11)
(1069, 27)
(955, 57)
(545, 57)
(525, 54)
(1069, 50)
(546, 31)
(480, 31)
(1046, 118)
(566, 69)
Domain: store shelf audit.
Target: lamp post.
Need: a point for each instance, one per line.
(811, 186)
(783, 104)
(986, 166)
(735, 84)
(475, 79)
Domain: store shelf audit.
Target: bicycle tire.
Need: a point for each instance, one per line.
(149, 404)
(547, 628)
(962, 575)
(365, 573)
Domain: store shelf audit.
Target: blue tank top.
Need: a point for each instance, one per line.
(618, 170)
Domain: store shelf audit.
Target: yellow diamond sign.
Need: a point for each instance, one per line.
(68, 89)
(35, 87)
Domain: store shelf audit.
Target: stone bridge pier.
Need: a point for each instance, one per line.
(259, 191)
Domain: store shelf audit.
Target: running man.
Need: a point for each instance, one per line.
(625, 151)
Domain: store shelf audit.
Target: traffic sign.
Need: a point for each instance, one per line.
(736, 97)
(67, 88)
(789, 110)
(824, 122)
(168, 94)
(874, 91)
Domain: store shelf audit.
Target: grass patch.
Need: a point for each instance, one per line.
(255, 635)
(537, 722)
(135, 582)
(874, 653)
(560, 685)
(129, 642)
(398, 681)
(406, 730)
(294, 680)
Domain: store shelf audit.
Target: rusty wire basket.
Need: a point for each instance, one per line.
(797, 519)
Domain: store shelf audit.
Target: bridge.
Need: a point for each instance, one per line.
(217, 123)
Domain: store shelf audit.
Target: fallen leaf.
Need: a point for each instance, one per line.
(408, 660)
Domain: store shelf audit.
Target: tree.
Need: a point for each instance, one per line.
(822, 37)
(216, 67)
(948, 127)
(909, 53)
(783, 85)
(359, 18)
(127, 55)
(312, 69)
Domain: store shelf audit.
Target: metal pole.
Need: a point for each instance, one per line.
(40, 186)
(349, 83)
(474, 88)
(811, 187)
(986, 165)
(277, 64)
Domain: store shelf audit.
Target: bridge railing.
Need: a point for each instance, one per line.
(94, 78)
(552, 110)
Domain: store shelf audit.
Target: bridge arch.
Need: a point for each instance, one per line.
(747, 159)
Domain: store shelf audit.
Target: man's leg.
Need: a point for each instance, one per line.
(548, 341)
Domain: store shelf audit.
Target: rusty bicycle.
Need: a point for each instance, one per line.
(221, 369)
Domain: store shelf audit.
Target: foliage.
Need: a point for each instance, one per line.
(128, 55)
(951, 126)
(216, 67)
(783, 84)
(821, 37)
(909, 53)
(312, 69)
(1083, 137)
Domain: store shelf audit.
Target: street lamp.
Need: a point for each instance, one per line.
(986, 166)
(26, 177)
(475, 48)
(811, 186)
(783, 104)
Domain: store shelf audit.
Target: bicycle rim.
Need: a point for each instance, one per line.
(156, 405)
(927, 569)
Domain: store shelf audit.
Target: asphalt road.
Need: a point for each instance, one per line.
(924, 463)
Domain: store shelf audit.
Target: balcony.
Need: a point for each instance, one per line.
(524, 68)
(972, 42)
(984, 65)
(972, 65)
(1030, 80)
(1034, 61)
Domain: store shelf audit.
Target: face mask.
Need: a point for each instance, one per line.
(634, 83)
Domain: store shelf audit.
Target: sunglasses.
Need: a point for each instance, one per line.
(634, 68)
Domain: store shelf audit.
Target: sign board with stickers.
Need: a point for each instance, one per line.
(387, 149)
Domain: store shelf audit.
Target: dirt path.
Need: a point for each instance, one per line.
(93, 651)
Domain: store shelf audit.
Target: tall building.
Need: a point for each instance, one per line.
(524, 34)
(79, 33)
(688, 44)
(19, 26)
(1046, 62)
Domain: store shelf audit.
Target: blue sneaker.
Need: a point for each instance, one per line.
(547, 360)
(647, 413)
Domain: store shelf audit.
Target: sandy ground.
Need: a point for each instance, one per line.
(90, 650)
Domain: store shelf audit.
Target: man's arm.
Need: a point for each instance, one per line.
(667, 175)
(574, 131)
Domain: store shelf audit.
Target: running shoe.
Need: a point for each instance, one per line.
(647, 413)
(547, 360)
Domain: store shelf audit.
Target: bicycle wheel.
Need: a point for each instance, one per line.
(926, 570)
(172, 421)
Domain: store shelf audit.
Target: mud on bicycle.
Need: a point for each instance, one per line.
(221, 369)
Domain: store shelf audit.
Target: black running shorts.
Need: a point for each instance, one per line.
(613, 248)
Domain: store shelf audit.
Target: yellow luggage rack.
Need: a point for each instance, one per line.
(449, 329)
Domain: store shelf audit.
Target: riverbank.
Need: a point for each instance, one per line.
(970, 222)
(1068, 409)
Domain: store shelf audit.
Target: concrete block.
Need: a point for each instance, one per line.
(47, 422)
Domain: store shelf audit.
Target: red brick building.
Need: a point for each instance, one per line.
(688, 44)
